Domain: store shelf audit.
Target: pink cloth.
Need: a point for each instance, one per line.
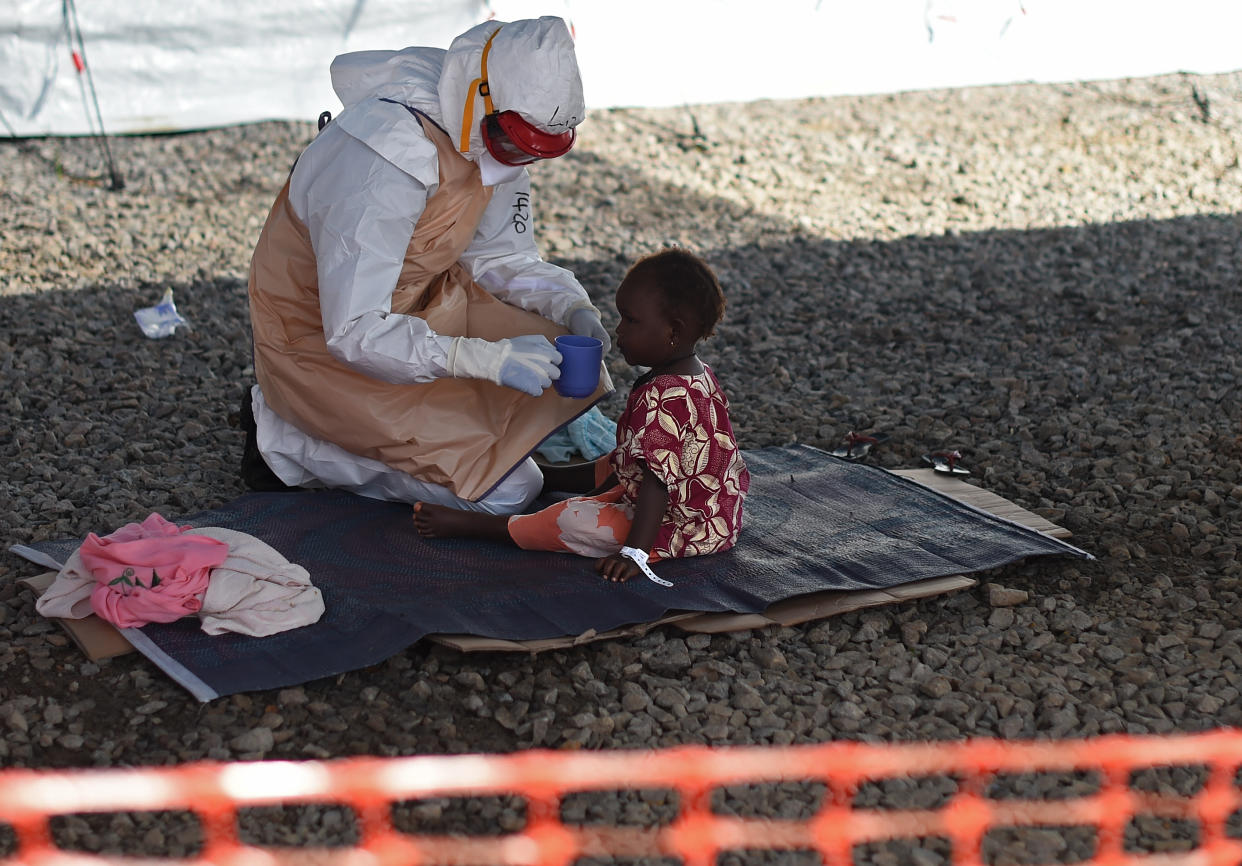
(150, 571)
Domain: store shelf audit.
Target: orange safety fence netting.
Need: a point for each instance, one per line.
(30, 800)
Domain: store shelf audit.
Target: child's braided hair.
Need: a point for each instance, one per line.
(687, 284)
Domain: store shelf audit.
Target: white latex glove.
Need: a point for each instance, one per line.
(528, 363)
(586, 323)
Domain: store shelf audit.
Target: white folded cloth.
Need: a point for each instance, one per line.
(255, 591)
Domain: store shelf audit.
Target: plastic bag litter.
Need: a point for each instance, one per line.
(590, 435)
(162, 320)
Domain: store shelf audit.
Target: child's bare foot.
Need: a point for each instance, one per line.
(440, 521)
(437, 521)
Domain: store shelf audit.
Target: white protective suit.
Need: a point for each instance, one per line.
(359, 191)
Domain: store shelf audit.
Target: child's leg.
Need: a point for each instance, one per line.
(591, 526)
(440, 521)
(586, 525)
(604, 479)
(578, 478)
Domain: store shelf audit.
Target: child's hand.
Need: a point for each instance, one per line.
(617, 568)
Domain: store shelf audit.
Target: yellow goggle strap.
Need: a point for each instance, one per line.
(480, 86)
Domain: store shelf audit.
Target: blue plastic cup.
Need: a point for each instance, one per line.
(580, 361)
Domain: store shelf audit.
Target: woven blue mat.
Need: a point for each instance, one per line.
(812, 523)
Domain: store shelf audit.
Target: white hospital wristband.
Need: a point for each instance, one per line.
(639, 558)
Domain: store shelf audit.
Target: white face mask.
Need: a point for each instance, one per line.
(493, 172)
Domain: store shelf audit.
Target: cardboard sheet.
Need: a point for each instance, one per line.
(98, 639)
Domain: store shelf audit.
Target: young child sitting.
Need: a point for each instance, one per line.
(675, 483)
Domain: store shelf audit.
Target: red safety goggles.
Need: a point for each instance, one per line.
(512, 140)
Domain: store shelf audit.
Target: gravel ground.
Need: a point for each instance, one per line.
(1045, 277)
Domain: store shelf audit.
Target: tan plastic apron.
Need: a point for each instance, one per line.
(463, 434)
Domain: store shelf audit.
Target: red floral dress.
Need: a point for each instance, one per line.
(678, 425)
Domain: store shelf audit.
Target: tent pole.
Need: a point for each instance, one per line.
(79, 62)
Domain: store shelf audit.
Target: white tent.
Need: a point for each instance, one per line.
(155, 65)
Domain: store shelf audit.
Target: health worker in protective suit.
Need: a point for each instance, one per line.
(402, 316)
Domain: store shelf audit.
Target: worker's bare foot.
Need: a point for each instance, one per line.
(440, 521)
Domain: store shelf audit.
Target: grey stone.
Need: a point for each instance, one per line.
(1044, 276)
(258, 740)
(1000, 596)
